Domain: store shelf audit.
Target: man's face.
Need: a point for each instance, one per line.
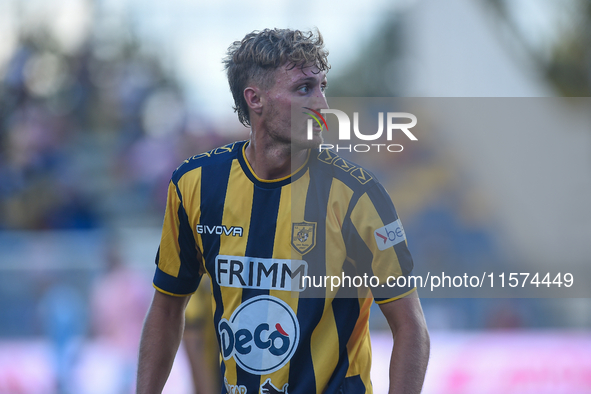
(302, 87)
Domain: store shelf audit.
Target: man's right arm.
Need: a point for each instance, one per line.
(161, 336)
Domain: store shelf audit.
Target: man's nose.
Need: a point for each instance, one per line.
(319, 101)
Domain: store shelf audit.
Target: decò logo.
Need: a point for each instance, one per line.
(392, 124)
(261, 335)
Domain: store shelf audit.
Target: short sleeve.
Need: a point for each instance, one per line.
(178, 260)
(377, 244)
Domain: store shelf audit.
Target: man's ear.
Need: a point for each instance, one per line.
(253, 99)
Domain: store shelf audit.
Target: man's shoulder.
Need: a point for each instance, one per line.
(214, 157)
(331, 165)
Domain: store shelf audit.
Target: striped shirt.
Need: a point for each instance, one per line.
(273, 250)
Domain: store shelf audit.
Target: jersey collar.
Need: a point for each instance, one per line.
(269, 183)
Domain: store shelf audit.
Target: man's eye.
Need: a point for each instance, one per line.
(303, 89)
(323, 87)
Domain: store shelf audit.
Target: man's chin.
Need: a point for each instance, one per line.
(314, 143)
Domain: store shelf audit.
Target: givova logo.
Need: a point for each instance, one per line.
(262, 335)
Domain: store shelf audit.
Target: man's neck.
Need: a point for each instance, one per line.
(271, 161)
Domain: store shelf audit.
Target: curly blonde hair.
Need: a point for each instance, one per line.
(260, 53)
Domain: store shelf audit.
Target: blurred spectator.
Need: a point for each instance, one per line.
(86, 134)
(120, 300)
(64, 319)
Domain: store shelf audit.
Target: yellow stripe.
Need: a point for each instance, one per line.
(190, 186)
(397, 297)
(282, 250)
(237, 211)
(338, 204)
(325, 347)
(298, 191)
(169, 259)
(359, 346)
(170, 262)
(170, 294)
(325, 342)
(366, 220)
(279, 378)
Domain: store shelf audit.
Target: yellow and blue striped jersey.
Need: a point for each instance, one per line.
(267, 245)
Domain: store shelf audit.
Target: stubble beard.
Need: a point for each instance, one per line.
(284, 137)
(305, 143)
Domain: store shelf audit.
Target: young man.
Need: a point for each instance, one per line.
(241, 215)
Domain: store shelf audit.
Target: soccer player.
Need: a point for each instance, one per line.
(240, 215)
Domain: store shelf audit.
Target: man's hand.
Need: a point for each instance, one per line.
(161, 336)
(410, 354)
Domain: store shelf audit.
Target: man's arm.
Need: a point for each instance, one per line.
(161, 336)
(410, 353)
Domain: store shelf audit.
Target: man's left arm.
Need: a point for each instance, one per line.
(410, 353)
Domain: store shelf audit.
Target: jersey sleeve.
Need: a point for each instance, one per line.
(378, 245)
(178, 261)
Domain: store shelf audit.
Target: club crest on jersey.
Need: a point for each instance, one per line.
(269, 388)
(261, 335)
(303, 236)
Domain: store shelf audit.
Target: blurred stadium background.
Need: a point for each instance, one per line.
(101, 99)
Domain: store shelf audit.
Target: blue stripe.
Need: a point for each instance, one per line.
(381, 200)
(315, 211)
(261, 239)
(346, 313)
(188, 251)
(362, 254)
(214, 185)
(301, 373)
(222, 374)
(188, 277)
(172, 285)
(382, 203)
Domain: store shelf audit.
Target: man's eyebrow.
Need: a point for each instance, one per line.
(308, 79)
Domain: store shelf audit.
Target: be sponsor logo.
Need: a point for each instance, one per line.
(390, 235)
(261, 335)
